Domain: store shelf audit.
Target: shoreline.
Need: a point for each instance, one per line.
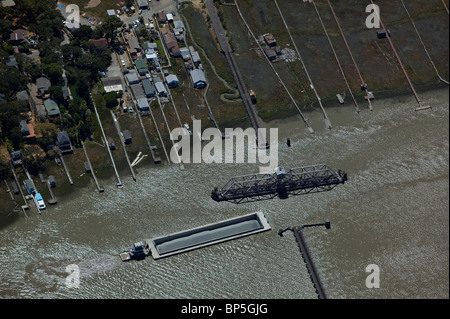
(84, 182)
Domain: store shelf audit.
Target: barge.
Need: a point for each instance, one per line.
(199, 237)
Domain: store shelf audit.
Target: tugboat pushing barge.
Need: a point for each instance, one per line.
(139, 251)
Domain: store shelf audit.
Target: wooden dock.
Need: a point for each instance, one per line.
(99, 187)
(25, 206)
(105, 140)
(122, 141)
(52, 199)
(66, 169)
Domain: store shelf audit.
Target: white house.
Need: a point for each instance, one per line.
(198, 78)
(172, 81)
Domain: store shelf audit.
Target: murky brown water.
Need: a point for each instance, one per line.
(392, 212)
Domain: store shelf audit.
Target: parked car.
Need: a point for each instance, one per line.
(123, 62)
(131, 109)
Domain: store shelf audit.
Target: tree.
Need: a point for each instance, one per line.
(54, 72)
(111, 99)
(56, 93)
(109, 26)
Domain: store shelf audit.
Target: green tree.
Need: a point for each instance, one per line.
(111, 99)
(109, 26)
(54, 72)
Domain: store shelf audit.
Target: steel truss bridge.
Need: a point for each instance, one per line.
(282, 183)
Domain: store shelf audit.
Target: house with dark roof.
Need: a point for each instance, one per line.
(64, 143)
(149, 89)
(270, 53)
(134, 47)
(16, 157)
(270, 40)
(162, 17)
(18, 36)
(127, 137)
(141, 66)
(170, 42)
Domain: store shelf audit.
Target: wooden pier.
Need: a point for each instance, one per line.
(52, 199)
(65, 169)
(327, 121)
(105, 140)
(122, 141)
(99, 187)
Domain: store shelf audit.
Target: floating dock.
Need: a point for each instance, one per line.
(207, 235)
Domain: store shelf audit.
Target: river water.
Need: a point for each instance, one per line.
(392, 212)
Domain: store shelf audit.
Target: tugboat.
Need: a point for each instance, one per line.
(139, 251)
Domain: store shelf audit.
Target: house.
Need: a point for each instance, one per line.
(112, 84)
(132, 77)
(29, 186)
(51, 181)
(270, 40)
(24, 128)
(198, 78)
(133, 47)
(141, 66)
(16, 157)
(8, 3)
(149, 89)
(172, 81)
(142, 4)
(11, 61)
(22, 95)
(169, 17)
(127, 137)
(111, 12)
(160, 89)
(42, 85)
(143, 104)
(185, 54)
(178, 24)
(170, 42)
(64, 143)
(52, 108)
(382, 34)
(270, 53)
(138, 91)
(162, 17)
(18, 36)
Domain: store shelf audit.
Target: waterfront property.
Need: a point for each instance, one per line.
(172, 81)
(64, 143)
(198, 78)
(149, 89)
(143, 104)
(127, 137)
(160, 89)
